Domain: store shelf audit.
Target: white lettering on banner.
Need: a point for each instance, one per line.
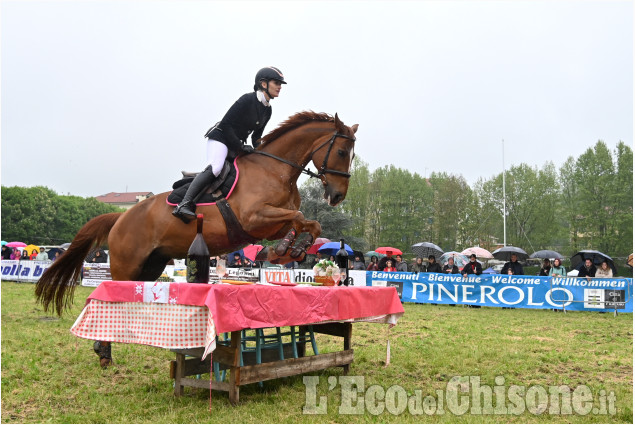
(424, 288)
(467, 292)
(515, 280)
(572, 281)
(487, 291)
(454, 297)
(23, 270)
(435, 277)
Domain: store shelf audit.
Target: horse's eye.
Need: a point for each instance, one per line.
(341, 153)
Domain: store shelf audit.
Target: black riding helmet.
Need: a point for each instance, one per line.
(267, 74)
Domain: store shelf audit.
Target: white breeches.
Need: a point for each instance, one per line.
(216, 154)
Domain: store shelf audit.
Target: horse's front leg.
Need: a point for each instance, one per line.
(289, 224)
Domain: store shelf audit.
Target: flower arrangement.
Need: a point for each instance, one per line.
(326, 272)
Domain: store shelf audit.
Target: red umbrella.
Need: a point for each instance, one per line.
(317, 244)
(251, 251)
(387, 249)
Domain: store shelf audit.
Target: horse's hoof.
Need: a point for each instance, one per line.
(104, 362)
(297, 253)
(263, 255)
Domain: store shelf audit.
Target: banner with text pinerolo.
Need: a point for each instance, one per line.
(579, 294)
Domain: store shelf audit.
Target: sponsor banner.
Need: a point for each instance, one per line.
(95, 273)
(23, 270)
(577, 294)
(357, 277)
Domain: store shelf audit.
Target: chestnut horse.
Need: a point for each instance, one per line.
(265, 200)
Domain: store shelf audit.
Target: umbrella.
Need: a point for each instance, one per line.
(65, 245)
(240, 252)
(478, 251)
(460, 260)
(251, 251)
(505, 253)
(16, 244)
(317, 244)
(31, 248)
(369, 254)
(331, 248)
(545, 253)
(387, 249)
(425, 249)
(3, 243)
(596, 256)
(51, 252)
(489, 271)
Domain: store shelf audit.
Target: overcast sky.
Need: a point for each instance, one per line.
(109, 96)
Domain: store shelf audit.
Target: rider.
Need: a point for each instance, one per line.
(250, 113)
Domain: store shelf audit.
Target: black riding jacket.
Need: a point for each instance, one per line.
(246, 115)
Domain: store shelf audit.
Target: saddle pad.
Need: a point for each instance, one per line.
(226, 188)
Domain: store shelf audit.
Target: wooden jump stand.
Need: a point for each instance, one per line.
(271, 367)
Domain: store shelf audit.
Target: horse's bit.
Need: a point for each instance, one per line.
(323, 170)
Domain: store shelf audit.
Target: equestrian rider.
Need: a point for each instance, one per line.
(250, 113)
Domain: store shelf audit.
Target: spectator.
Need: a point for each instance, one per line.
(513, 267)
(389, 267)
(332, 258)
(546, 268)
(289, 265)
(57, 255)
(6, 252)
(473, 267)
(558, 269)
(358, 263)
(99, 256)
(373, 265)
(401, 265)
(450, 268)
(237, 262)
(42, 256)
(16, 254)
(604, 270)
(318, 258)
(34, 254)
(418, 266)
(433, 266)
(213, 261)
(382, 262)
(588, 269)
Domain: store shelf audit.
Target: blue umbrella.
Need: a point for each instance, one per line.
(240, 252)
(331, 248)
(4, 243)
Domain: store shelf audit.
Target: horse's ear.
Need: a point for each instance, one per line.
(339, 125)
(354, 128)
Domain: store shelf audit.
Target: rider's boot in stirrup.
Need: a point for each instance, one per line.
(186, 209)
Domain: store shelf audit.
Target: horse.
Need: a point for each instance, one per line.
(265, 202)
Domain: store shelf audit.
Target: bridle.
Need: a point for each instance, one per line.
(322, 171)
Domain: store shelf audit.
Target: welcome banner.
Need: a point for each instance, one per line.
(577, 294)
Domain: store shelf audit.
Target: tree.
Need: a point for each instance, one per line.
(38, 215)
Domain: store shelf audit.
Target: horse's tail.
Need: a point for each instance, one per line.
(58, 282)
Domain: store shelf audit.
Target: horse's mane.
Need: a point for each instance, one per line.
(295, 121)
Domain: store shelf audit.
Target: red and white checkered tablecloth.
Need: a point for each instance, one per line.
(185, 315)
(158, 325)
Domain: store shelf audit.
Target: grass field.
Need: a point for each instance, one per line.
(50, 376)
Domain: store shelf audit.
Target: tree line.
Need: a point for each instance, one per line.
(39, 216)
(586, 204)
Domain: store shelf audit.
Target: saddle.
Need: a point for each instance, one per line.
(222, 187)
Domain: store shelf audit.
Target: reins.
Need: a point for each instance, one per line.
(323, 170)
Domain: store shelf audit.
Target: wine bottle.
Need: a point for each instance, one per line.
(341, 258)
(198, 256)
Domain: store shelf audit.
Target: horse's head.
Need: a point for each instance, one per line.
(333, 159)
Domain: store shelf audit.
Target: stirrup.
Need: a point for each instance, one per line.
(184, 212)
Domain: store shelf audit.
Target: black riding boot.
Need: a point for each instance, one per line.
(186, 209)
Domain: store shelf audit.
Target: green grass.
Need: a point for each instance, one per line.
(50, 376)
